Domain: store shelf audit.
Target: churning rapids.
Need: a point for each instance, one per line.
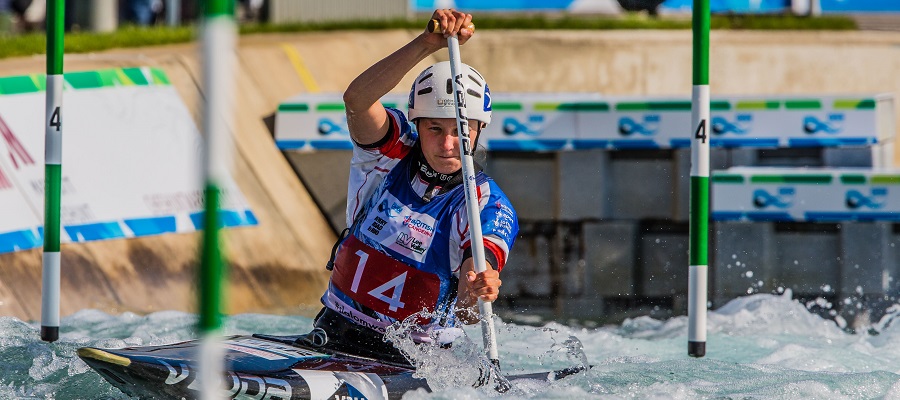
(759, 347)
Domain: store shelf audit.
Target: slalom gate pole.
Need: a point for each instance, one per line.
(468, 170)
(218, 35)
(699, 213)
(50, 273)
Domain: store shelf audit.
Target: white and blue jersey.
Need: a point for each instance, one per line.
(404, 252)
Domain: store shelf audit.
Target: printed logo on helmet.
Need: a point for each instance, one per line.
(445, 103)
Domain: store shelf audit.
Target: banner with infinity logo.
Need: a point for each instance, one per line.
(574, 121)
(818, 195)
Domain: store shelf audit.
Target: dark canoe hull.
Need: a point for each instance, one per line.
(261, 367)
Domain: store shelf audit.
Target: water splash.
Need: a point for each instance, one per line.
(759, 347)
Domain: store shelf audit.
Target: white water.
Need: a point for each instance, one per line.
(759, 347)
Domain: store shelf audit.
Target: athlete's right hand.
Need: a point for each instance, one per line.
(485, 285)
(451, 22)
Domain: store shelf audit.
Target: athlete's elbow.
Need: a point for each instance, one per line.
(356, 99)
(351, 98)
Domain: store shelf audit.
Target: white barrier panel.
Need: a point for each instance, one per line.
(20, 228)
(551, 122)
(816, 195)
(538, 122)
(131, 158)
(318, 122)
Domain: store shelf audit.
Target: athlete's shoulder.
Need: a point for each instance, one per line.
(498, 216)
(488, 188)
(396, 143)
(401, 123)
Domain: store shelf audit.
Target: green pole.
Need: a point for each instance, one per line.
(50, 273)
(699, 213)
(218, 37)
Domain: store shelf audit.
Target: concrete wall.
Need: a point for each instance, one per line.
(277, 266)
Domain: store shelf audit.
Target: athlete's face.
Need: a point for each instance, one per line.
(440, 142)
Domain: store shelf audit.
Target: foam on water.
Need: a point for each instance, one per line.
(759, 347)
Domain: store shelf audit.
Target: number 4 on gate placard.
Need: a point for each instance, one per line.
(55, 119)
(701, 132)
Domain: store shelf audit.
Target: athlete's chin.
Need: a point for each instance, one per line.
(447, 165)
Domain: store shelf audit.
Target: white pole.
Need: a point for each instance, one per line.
(699, 219)
(219, 38)
(173, 12)
(104, 16)
(50, 272)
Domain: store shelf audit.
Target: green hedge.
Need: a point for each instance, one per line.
(30, 44)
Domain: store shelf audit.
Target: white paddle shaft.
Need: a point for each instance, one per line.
(468, 170)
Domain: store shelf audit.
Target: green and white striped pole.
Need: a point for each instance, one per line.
(52, 172)
(219, 35)
(699, 225)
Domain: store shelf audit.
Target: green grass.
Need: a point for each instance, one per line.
(82, 42)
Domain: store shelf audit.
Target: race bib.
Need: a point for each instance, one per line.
(399, 228)
(382, 283)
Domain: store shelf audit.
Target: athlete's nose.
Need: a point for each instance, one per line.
(450, 143)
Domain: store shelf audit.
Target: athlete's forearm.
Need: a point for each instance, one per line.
(366, 119)
(383, 76)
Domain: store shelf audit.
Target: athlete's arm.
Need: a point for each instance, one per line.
(472, 286)
(366, 118)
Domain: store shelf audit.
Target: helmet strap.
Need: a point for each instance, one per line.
(477, 136)
(438, 183)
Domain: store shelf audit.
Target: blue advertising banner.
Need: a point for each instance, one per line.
(737, 6)
(426, 5)
(777, 6)
(837, 6)
(577, 121)
(603, 6)
(716, 6)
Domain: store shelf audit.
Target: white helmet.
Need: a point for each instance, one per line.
(431, 95)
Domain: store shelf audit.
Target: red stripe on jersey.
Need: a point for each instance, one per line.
(494, 249)
(394, 148)
(498, 254)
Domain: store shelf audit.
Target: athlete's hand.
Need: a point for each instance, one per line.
(451, 22)
(485, 285)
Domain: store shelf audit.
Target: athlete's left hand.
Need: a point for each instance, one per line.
(485, 285)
